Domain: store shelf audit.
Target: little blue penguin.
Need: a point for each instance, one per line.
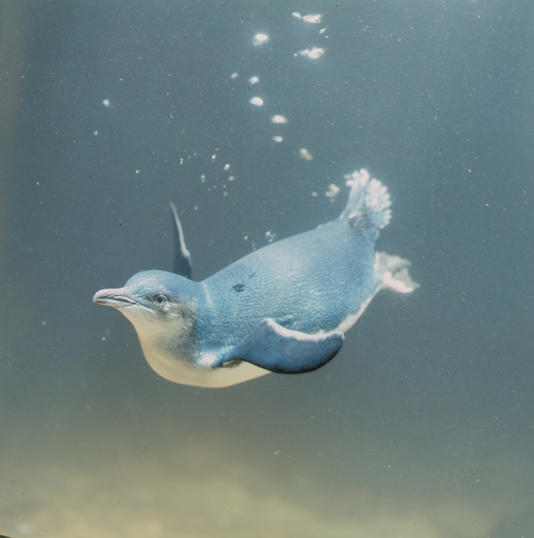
(283, 308)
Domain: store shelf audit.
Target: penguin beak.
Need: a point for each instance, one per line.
(118, 298)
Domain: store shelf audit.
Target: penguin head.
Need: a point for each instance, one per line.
(157, 303)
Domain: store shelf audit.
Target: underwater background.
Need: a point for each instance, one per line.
(423, 425)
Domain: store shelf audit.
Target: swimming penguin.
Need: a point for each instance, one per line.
(283, 308)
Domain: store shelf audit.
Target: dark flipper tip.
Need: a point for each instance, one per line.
(182, 256)
(282, 350)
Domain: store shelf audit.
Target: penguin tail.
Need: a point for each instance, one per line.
(369, 206)
(393, 272)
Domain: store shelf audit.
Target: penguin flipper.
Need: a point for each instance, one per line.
(282, 350)
(182, 256)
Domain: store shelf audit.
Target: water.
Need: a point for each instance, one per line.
(422, 426)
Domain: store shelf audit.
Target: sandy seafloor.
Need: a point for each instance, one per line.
(105, 488)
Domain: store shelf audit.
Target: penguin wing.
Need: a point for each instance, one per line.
(182, 256)
(282, 350)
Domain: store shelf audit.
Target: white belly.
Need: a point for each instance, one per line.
(182, 370)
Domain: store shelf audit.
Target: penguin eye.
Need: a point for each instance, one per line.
(159, 299)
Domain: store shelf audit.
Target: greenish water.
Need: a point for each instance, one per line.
(422, 426)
